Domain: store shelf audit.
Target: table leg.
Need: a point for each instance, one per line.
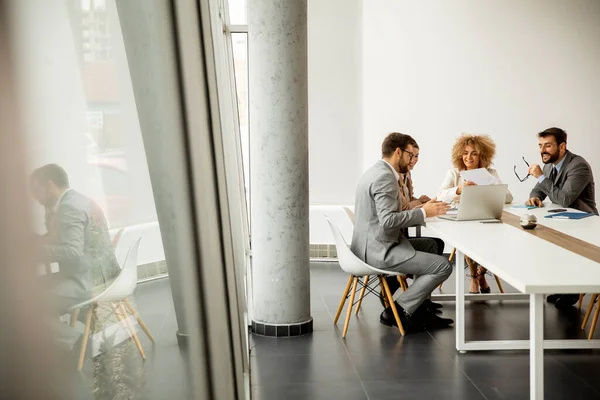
(460, 301)
(536, 355)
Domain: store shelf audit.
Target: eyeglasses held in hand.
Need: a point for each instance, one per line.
(526, 176)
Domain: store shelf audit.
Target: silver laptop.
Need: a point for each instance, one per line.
(480, 203)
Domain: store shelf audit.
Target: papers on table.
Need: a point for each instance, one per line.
(480, 176)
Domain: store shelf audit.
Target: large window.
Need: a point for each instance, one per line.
(239, 42)
(80, 114)
(238, 12)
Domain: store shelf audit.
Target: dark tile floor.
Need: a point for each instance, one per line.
(375, 362)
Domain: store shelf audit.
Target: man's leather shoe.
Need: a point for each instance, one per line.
(426, 307)
(431, 304)
(552, 298)
(566, 300)
(387, 319)
(429, 321)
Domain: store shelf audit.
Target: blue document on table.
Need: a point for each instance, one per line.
(569, 215)
(524, 206)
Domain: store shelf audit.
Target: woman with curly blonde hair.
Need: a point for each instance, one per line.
(470, 152)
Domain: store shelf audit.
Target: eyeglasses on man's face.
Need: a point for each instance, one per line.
(526, 176)
(410, 153)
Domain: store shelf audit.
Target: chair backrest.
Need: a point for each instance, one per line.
(123, 242)
(348, 261)
(350, 214)
(126, 282)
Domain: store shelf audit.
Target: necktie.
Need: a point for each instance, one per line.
(553, 174)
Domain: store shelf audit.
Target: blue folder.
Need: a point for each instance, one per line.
(569, 215)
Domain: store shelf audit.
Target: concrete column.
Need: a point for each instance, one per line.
(278, 101)
(149, 43)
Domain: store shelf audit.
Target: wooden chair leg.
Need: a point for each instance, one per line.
(86, 334)
(362, 294)
(122, 315)
(349, 313)
(403, 283)
(452, 254)
(500, 288)
(393, 306)
(381, 278)
(580, 300)
(344, 297)
(136, 339)
(139, 320)
(589, 310)
(594, 322)
(74, 316)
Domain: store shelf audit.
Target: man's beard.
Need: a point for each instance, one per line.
(553, 157)
(402, 168)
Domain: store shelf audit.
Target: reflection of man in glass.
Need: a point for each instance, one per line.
(77, 239)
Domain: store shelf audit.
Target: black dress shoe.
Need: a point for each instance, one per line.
(431, 304)
(429, 321)
(566, 300)
(387, 319)
(427, 307)
(552, 298)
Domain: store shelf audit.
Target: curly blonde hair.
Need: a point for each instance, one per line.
(482, 143)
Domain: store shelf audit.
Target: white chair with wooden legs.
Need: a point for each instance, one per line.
(588, 313)
(401, 278)
(358, 269)
(116, 297)
(451, 257)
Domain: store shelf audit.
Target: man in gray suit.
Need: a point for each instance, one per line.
(77, 239)
(378, 238)
(567, 180)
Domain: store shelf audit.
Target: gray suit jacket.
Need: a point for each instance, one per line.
(378, 219)
(573, 186)
(82, 248)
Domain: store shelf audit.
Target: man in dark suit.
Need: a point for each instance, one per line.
(77, 239)
(567, 180)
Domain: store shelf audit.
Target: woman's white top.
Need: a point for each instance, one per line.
(453, 180)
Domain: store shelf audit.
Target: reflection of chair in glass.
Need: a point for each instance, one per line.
(116, 297)
(589, 312)
(356, 268)
(117, 238)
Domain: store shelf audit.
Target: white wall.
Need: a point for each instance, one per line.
(505, 68)
(334, 99)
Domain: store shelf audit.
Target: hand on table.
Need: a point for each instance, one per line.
(534, 201)
(433, 208)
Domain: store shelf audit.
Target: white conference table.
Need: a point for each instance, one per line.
(531, 265)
